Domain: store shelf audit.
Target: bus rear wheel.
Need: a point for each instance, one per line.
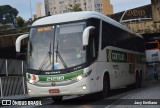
(138, 82)
(57, 99)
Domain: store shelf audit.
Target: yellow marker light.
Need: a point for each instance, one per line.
(79, 77)
(44, 29)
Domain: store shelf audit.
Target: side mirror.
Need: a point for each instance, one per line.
(85, 36)
(18, 42)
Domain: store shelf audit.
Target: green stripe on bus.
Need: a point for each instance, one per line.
(60, 77)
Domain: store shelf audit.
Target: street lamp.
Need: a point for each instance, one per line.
(30, 8)
(14, 21)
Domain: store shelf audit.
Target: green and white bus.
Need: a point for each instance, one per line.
(81, 53)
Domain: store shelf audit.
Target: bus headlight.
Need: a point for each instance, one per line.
(80, 77)
(32, 81)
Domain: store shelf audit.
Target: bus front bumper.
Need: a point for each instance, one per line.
(78, 88)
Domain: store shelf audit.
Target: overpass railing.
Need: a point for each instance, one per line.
(12, 78)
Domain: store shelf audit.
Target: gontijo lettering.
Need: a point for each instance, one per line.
(118, 56)
(56, 78)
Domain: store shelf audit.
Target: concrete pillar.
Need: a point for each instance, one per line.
(156, 10)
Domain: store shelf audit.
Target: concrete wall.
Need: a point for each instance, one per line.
(144, 27)
(142, 20)
(156, 10)
(7, 46)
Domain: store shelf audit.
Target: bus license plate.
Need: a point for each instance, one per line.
(54, 91)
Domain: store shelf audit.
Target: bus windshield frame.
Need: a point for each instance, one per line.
(56, 47)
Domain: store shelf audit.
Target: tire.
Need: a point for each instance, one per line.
(57, 99)
(105, 91)
(156, 76)
(138, 82)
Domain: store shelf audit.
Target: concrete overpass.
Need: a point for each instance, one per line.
(7, 45)
(143, 20)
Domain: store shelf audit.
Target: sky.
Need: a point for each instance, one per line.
(23, 6)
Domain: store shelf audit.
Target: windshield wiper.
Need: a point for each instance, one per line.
(60, 57)
(46, 59)
(50, 53)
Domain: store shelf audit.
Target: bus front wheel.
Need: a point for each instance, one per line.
(105, 90)
(57, 99)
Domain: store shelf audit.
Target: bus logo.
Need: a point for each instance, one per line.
(118, 56)
(6, 102)
(55, 78)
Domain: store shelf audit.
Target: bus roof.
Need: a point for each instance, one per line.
(76, 16)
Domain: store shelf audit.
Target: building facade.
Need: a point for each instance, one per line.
(64, 6)
(107, 7)
(44, 7)
(34, 16)
(38, 10)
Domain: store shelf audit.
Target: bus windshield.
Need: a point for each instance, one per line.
(68, 46)
(56, 47)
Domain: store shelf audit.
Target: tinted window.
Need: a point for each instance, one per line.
(114, 36)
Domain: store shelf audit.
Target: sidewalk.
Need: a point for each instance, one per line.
(147, 97)
(16, 97)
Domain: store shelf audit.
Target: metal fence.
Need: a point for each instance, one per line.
(12, 78)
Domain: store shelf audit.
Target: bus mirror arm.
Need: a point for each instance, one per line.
(85, 36)
(18, 42)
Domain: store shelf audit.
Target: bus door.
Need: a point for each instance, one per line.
(92, 57)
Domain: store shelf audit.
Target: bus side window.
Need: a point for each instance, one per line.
(92, 50)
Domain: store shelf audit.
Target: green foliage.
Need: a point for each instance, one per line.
(14, 31)
(7, 14)
(75, 8)
(20, 21)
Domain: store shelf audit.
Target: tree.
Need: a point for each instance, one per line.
(20, 21)
(7, 14)
(75, 8)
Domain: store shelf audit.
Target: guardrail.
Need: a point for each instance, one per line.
(12, 78)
